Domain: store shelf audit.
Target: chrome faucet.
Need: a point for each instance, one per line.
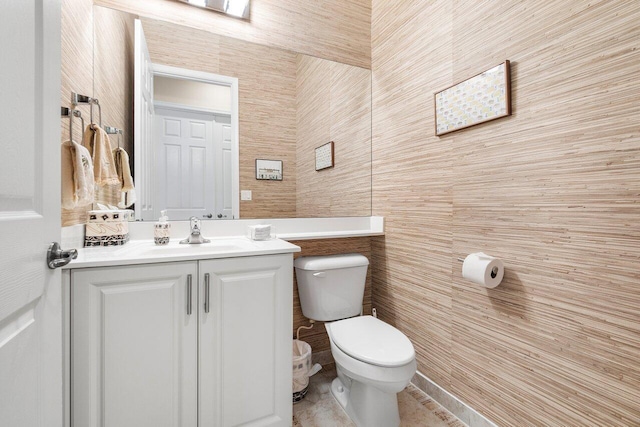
(195, 237)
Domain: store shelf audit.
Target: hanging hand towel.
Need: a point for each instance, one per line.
(96, 140)
(77, 176)
(124, 175)
(68, 198)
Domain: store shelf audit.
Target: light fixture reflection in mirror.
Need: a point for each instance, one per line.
(237, 8)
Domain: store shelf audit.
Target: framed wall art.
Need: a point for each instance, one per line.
(479, 99)
(270, 170)
(324, 156)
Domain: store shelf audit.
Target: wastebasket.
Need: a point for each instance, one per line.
(302, 369)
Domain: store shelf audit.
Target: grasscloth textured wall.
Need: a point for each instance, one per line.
(333, 104)
(267, 103)
(554, 190)
(330, 29)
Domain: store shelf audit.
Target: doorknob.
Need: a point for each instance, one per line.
(219, 215)
(56, 257)
(207, 216)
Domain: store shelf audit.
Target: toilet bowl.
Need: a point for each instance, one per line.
(374, 360)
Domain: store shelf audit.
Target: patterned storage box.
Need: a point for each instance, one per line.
(119, 215)
(107, 228)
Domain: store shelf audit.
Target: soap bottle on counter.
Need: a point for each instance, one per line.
(162, 230)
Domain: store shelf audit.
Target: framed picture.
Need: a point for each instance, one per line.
(324, 156)
(270, 170)
(479, 99)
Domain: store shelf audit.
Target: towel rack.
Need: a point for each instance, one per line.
(71, 113)
(114, 131)
(77, 99)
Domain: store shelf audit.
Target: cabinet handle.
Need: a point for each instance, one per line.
(189, 295)
(206, 292)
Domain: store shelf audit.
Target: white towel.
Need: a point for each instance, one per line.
(96, 140)
(77, 176)
(128, 197)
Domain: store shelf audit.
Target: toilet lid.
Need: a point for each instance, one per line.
(372, 341)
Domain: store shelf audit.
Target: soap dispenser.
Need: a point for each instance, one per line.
(162, 230)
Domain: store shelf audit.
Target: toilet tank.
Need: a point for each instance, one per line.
(331, 287)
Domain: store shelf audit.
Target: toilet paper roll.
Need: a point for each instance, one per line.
(483, 269)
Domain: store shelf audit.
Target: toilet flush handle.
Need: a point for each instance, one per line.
(319, 274)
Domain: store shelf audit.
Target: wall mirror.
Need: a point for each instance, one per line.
(287, 104)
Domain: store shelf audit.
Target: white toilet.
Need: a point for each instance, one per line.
(374, 360)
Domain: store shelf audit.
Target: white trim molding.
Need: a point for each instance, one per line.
(451, 403)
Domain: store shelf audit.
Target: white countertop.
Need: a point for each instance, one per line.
(284, 228)
(146, 252)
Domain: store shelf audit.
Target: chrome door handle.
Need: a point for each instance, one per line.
(56, 257)
(206, 292)
(189, 295)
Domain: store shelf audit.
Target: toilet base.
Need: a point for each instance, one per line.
(366, 405)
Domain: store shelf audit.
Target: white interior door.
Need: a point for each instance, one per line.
(185, 181)
(224, 171)
(142, 142)
(30, 294)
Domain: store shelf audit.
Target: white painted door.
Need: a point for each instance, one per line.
(223, 171)
(30, 305)
(245, 341)
(185, 179)
(142, 139)
(134, 346)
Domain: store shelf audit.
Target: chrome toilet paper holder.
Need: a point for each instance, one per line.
(494, 270)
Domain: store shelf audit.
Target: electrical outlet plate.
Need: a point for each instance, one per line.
(245, 195)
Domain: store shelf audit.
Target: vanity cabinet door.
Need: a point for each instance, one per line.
(134, 346)
(245, 341)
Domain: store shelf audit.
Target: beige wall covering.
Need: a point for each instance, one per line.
(554, 190)
(330, 29)
(333, 104)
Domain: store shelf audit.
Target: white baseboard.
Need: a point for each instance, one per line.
(461, 410)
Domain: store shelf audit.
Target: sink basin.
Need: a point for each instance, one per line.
(222, 245)
(145, 251)
(174, 248)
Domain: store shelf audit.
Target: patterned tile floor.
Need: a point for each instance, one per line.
(320, 409)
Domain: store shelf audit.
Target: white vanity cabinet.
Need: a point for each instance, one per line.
(145, 355)
(245, 341)
(134, 346)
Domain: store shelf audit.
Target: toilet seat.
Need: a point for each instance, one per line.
(372, 341)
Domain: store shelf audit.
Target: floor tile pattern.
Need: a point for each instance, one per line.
(320, 409)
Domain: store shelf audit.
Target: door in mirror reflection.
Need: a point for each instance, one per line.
(188, 154)
(193, 163)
